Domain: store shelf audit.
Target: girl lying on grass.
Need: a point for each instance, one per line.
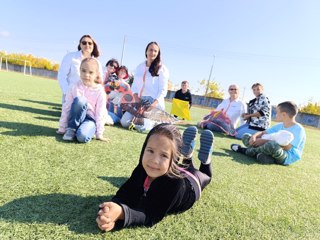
(158, 186)
(84, 111)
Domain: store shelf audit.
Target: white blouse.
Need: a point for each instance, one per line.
(155, 87)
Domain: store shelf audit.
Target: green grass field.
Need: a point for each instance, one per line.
(50, 189)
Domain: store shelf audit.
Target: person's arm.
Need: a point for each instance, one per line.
(242, 111)
(256, 140)
(163, 83)
(160, 199)
(138, 78)
(190, 100)
(100, 115)
(64, 70)
(63, 122)
(100, 72)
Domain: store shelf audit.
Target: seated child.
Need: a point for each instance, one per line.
(283, 151)
(84, 111)
(114, 87)
(158, 186)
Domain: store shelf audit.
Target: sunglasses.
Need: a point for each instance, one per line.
(112, 65)
(85, 43)
(233, 89)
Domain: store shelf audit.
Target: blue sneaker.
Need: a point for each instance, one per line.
(188, 139)
(206, 140)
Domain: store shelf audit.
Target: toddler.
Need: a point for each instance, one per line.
(84, 110)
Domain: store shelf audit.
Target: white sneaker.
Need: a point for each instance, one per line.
(69, 135)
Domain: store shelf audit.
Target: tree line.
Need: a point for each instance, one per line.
(36, 62)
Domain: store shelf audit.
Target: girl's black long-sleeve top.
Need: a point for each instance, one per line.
(165, 195)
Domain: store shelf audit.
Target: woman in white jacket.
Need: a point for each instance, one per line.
(69, 71)
(150, 81)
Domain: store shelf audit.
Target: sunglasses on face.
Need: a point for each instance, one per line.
(233, 89)
(85, 43)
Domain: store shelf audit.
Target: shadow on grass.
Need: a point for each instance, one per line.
(31, 110)
(26, 129)
(48, 119)
(76, 212)
(240, 158)
(56, 105)
(115, 181)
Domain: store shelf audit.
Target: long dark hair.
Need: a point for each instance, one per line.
(171, 132)
(95, 53)
(156, 63)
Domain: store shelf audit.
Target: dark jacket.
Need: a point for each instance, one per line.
(184, 96)
(165, 195)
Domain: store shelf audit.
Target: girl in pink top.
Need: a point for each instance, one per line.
(84, 111)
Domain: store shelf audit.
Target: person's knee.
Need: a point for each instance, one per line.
(272, 146)
(126, 119)
(82, 137)
(80, 102)
(238, 135)
(246, 137)
(125, 122)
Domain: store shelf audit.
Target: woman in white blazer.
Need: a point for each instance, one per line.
(69, 71)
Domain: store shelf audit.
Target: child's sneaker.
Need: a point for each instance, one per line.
(265, 159)
(206, 140)
(69, 135)
(140, 128)
(188, 141)
(237, 148)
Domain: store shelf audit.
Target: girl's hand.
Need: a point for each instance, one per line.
(252, 140)
(104, 223)
(154, 104)
(108, 214)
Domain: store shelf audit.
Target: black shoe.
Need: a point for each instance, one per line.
(238, 148)
(265, 159)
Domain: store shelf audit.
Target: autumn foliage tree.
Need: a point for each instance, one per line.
(212, 89)
(19, 58)
(312, 108)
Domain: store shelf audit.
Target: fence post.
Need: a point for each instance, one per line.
(24, 68)
(7, 64)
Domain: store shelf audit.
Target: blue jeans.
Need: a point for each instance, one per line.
(116, 116)
(244, 129)
(84, 125)
(213, 127)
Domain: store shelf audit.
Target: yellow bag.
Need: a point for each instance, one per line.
(180, 108)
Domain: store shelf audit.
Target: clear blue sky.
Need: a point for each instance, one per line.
(274, 42)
